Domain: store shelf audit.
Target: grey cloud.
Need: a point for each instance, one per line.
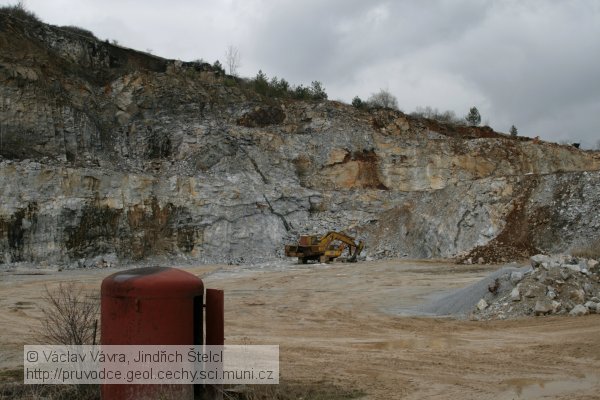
(336, 38)
(534, 63)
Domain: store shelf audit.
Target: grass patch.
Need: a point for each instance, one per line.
(592, 250)
(21, 391)
(79, 31)
(12, 390)
(11, 375)
(292, 391)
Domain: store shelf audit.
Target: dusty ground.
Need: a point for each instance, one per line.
(351, 325)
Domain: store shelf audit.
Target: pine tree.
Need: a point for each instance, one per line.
(317, 91)
(357, 102)
(474, 118)
(261, 83)
(513, 131)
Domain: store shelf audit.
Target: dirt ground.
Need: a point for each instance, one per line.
(354, 326)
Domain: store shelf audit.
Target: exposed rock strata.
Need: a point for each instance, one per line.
(105, 150)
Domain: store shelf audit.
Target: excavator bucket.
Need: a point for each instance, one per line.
(357, 251)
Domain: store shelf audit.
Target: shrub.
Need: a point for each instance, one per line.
(218, 68)
(317, 91)
(229, 81)
(383, 99)
(447, 116)
(69, 316)
(281, 88)
(357, 102)
(301, 92)
(19, 11)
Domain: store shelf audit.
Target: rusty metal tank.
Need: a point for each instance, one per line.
(155, 305)
(150, 306)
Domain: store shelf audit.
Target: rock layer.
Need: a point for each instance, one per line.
(106, 150)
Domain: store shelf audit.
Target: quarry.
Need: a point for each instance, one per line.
(479, 277)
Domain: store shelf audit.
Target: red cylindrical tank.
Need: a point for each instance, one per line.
(150, 306)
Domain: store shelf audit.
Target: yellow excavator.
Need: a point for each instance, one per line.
(325, 249)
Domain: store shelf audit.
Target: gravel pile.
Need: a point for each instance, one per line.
(461, 303)
(554, 285)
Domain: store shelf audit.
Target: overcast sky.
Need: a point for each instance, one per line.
(531, 63)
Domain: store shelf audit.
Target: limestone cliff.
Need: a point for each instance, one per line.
(109, 151)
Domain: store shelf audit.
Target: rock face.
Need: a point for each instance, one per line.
(109, 151)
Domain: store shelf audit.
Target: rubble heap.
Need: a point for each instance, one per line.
(554, 285)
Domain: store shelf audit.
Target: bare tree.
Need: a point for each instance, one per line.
(383, 99)
(232, 59)
(69, 316)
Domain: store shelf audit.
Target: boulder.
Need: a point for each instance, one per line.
(534, 291)
(591, 306)
(482, 305)
(494, 286)
(556, 306)
(515, 294)
(548, 281)
(538, 260)
(571, 267)
(577, 295)
(565, 274)
(578, 310)
(541, 277)
(516, 277)
(543, 307)
(556, 264)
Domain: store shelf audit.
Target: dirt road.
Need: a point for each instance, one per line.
(351, 325)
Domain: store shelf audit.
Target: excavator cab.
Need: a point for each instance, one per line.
(308, 240)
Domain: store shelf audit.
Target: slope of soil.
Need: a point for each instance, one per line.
(347, 325)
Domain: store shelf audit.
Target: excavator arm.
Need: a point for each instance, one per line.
(349, 241)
